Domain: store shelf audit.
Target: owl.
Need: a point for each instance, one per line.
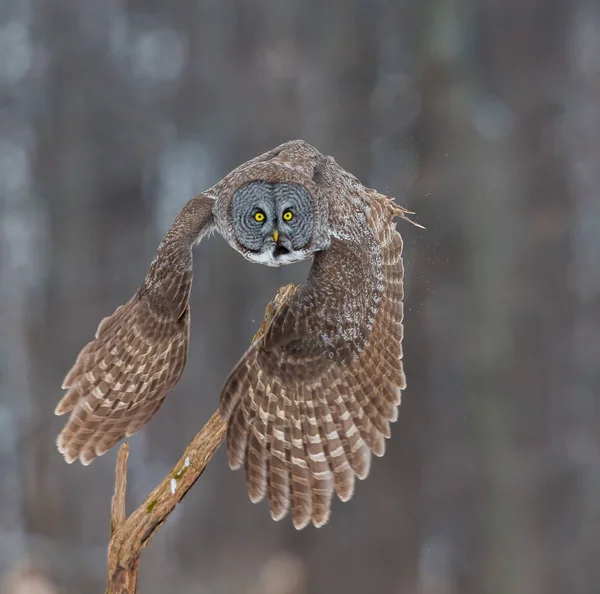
(313, 398)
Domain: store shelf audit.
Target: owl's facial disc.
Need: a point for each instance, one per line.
(273, 222)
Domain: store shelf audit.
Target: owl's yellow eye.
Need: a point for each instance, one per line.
(288, 215)
(259, 216)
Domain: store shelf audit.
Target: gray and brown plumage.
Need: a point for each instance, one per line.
(314, 396)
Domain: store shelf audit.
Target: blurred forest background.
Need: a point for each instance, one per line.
(483, 116)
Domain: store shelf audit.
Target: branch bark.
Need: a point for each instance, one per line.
(130, 535)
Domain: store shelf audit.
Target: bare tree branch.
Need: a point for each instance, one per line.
(130, 535)
(118, 514)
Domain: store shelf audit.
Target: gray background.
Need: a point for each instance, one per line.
(484, 117)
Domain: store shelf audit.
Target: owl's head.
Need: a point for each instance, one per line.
(273, 222)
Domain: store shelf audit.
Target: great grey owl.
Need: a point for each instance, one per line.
(310, 400)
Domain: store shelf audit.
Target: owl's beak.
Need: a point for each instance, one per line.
(276, 236)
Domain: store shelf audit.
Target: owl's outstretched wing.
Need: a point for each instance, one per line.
(314, 396)
(122, 376)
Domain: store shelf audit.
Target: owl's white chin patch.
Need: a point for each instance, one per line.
(270, 258)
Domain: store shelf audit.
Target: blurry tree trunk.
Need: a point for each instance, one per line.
(575, 415)
(463, 91)
(97, 229)
(23, 259)
(531, 67)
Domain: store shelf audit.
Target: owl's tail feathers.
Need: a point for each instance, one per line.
(120, 379)
(400, 211)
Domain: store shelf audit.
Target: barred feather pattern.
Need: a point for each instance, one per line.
(121, 378)
(314, 397)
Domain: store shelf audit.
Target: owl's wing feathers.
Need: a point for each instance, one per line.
(122, 376)
(312, 398)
